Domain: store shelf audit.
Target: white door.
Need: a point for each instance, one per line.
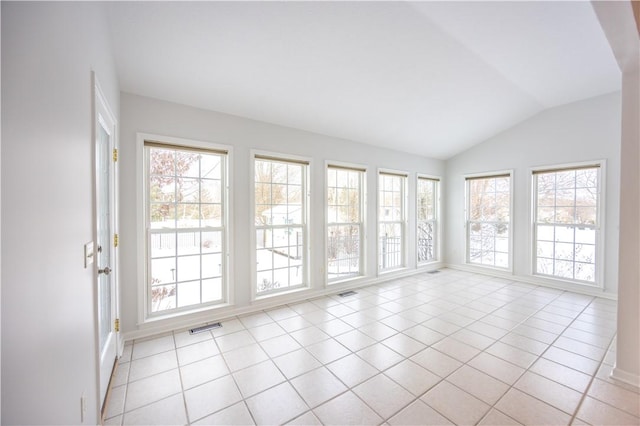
(104, 249)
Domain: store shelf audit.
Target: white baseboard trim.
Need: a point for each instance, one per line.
(574, 288)
(120, 345)
(228, 312)
(625, 377)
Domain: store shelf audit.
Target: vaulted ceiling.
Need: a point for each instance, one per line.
(430, 78)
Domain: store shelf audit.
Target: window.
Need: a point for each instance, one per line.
(391, 220)
(427, 202)
(280, 224)
(186, 222)
(488, 220)
(344, 222)
(567, 223)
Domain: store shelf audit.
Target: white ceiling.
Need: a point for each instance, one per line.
(430, 78)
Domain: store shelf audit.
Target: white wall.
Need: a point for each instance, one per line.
(628, 343)
(48, 317)
(146, 115)
(621, 27)
(581, 131)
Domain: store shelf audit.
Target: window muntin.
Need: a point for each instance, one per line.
(427, 225)
(186, 225)
(345, 224)
(488, 220)
(280, 224)
(391, 220)
(567, 223)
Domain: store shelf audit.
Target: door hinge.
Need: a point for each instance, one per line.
(115, 154)
(116, 325)
(115, 240)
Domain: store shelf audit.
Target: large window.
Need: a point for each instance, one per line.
(391, 220)
(567, 223)
(489, 220)
(344, 222)
(280, 224)
(186, 222)
(427, 202)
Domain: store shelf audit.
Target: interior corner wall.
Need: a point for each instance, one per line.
(49, 338)
(145, 115)
(582, 131)
(628, 341)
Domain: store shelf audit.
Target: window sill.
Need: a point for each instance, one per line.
(184, 314)
(267, 296)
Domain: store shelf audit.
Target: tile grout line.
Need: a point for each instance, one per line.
(593, 378)
(396, 291)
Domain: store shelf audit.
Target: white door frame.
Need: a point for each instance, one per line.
(102, 112)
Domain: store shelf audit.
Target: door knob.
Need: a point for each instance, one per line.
(105, 271)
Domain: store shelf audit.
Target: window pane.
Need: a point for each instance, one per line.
(163, 270)
(210, 191)
(162, 245)
(187, 163)
(211, 290)
(180, 182)
(211, 215)
(188, 268)
(585, 272)
(586, 215)
(211, 265)
(343, 241)
(585, 253)
(188, 242)
(162, 216)
(280, 224)
(566, 247)
(585, 236)
(545, 233)
(426, 237)
(390, 246)
(162, 162)
(188, 215)
(391, 218)
(489, 214)
(188, 293)
(162, 189)
(163, 298)
(343, 251)
(294, 174)
(211, 166)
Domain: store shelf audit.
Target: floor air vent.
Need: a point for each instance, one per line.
(347, 293)
(205, 328)
(436, 271)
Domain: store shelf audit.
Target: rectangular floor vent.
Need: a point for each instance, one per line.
(436, 271)
(206, 327)
(347, 293)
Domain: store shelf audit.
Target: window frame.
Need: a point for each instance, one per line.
(436, 220)
(362, 223)
(145, 315)
(305, 218)
(488, 175)
(599, 227)
(403, 223)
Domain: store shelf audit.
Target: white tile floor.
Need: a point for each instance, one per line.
(443, 348)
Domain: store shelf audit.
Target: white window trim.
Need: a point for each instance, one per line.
(466, 177)
(363, 221)
(437, 229)
(404, 225)
(144, 316)
(600, 234)
(306, 265)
